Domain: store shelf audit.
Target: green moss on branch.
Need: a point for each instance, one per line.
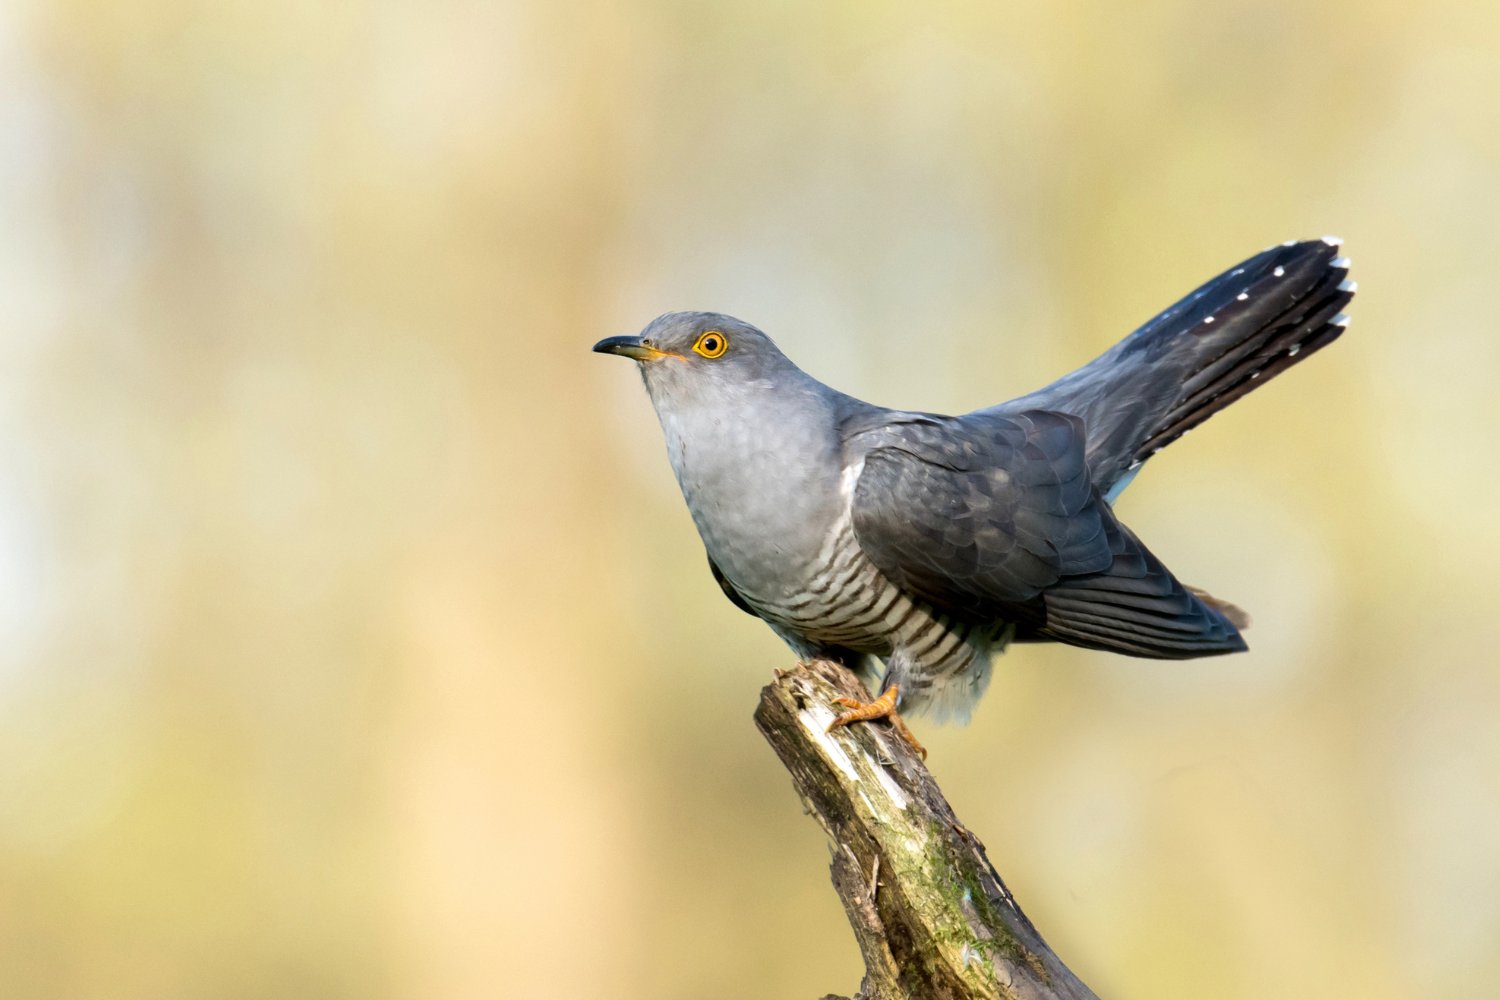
(938, 922)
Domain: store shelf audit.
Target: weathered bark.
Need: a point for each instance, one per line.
(932, 917)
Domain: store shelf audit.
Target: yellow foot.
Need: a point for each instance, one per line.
(883, 707)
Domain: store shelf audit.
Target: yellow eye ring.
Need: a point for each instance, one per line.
(711, 344)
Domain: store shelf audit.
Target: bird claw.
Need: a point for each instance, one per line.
(883, 707)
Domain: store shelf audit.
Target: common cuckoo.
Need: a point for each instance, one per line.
(912, 547)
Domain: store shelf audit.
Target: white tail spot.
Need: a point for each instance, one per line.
(1339, 262)
(1339, 320)
(1242, 296)
(1294, 350)
(1255, 375)
(1333, 241)
(1349, 285)
(1279, 271)
(1208, 319)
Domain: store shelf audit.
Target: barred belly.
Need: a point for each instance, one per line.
(942, 664)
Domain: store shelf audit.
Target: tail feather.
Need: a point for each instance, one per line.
(1233, 613)
(1299, 312)
(1233, 334)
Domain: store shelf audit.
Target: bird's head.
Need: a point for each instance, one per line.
(702, 357)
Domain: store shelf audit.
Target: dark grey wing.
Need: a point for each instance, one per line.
(975, 515)
(994, 518)
(728, 588)
(1136, 607)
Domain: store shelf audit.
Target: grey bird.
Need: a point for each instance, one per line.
(911, 547)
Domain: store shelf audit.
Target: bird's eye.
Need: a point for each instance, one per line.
(711, 344)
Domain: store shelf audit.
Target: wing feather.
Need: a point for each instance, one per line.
(994, 518)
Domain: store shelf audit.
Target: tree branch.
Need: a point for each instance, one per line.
(931, 916)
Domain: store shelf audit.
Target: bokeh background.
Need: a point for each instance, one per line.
(356, 642)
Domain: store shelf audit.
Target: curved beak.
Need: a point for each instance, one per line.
(631, 347)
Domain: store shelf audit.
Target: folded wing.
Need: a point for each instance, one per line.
(994, 518)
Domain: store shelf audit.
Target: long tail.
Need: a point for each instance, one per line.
(1234, 333)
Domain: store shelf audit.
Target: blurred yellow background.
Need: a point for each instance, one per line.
(358, 644)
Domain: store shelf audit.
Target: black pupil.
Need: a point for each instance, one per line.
(711, 344)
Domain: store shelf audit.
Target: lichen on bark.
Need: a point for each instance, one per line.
(938, 921)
